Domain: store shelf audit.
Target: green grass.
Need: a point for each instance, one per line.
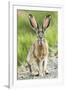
(26, 36)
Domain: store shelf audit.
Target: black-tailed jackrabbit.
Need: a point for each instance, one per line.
(39, 49)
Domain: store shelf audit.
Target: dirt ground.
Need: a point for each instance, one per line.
(23, 71)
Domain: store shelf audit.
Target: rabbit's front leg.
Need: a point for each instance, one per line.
(45, 65)
(41, 68)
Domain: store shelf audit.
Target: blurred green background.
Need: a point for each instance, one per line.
(26, 36)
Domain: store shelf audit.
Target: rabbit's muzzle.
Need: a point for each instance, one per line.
(40, 38)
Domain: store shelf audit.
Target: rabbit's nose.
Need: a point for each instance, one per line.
(40, 42)
(40, 34)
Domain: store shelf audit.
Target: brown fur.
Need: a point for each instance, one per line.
(38, 52)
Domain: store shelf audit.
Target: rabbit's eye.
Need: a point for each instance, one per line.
(40, 31)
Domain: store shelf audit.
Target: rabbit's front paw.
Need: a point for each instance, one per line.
(41, 74)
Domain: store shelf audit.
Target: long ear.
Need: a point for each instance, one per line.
(32, 21)
(46, 22)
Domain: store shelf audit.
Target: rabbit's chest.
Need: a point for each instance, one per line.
(40, 52)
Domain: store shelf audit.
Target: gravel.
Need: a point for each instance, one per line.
(23, 70)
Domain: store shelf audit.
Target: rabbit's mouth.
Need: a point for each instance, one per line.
(40, 42)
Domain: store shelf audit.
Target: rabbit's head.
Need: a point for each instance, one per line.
(39, 29)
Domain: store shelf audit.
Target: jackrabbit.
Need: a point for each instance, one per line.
(39, 49)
